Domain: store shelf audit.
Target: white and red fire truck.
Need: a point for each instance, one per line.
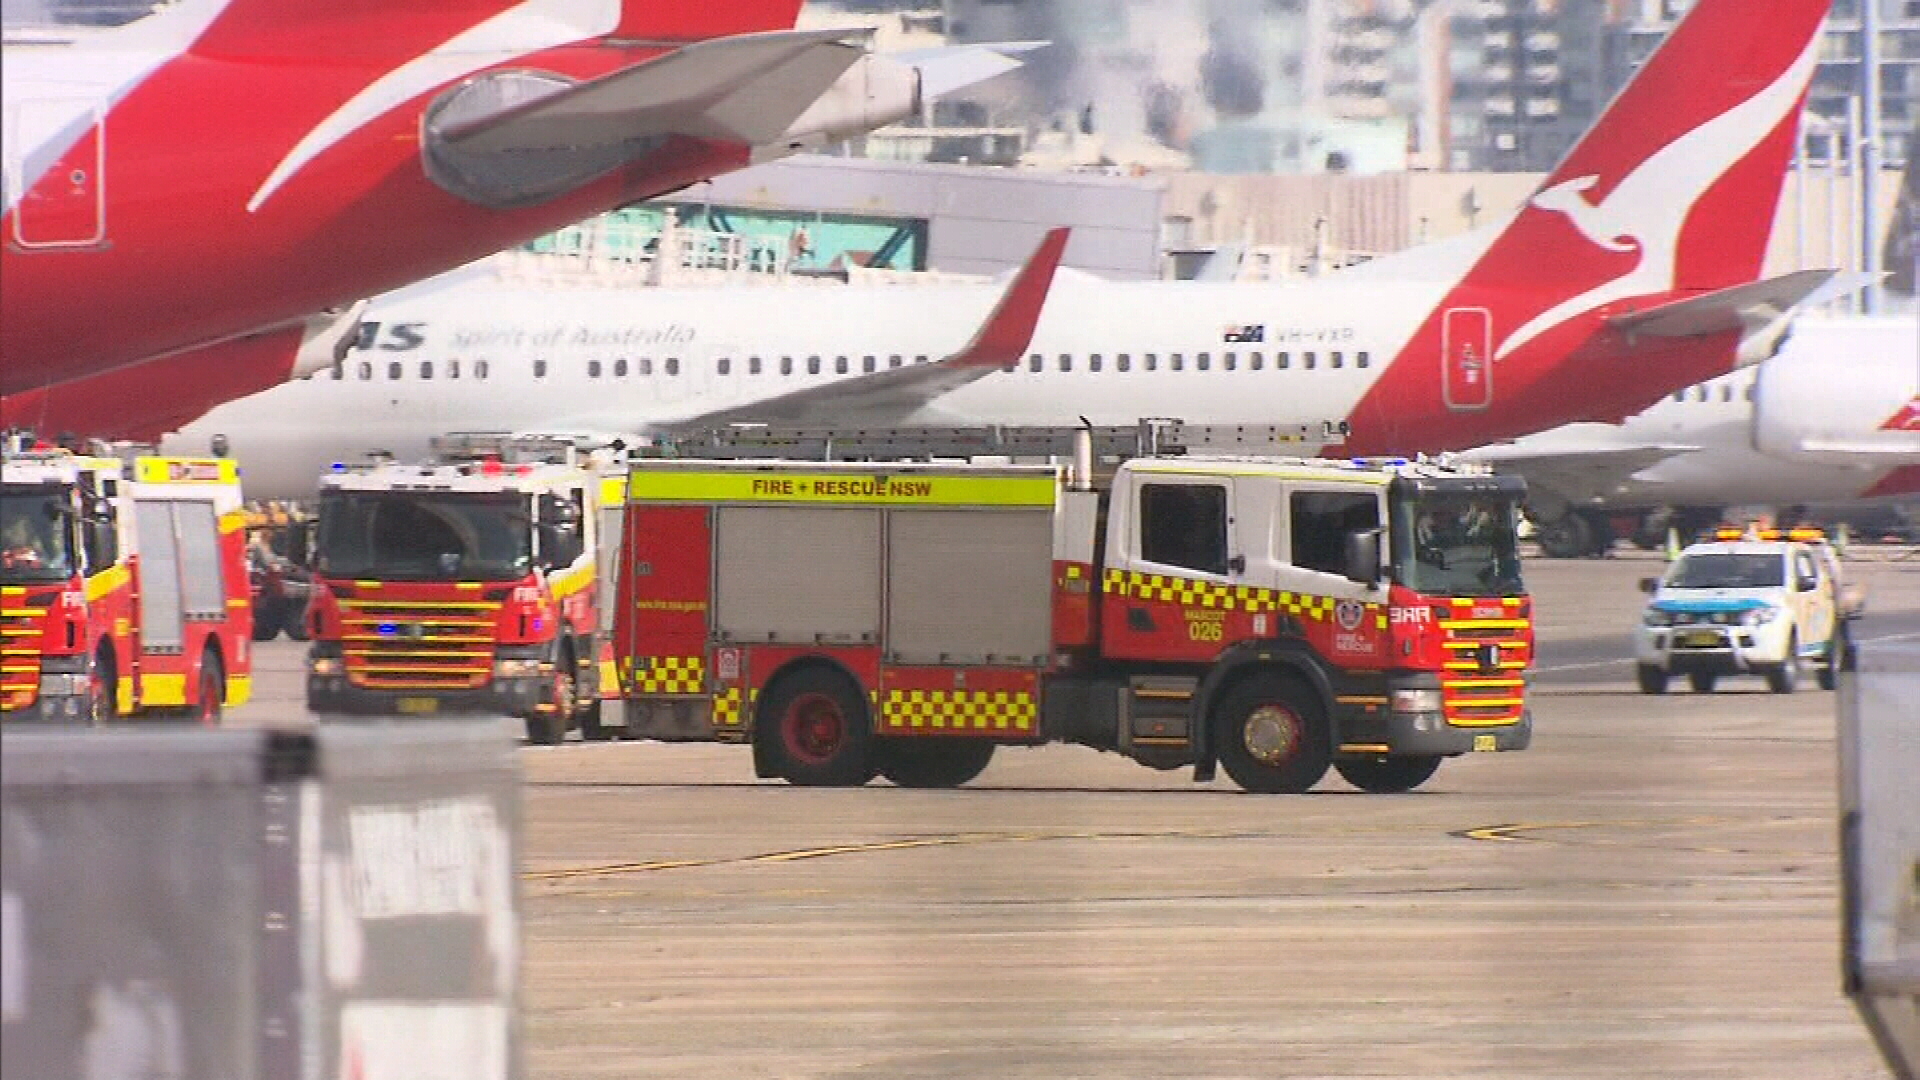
(470, 583)
(123, 586)
(1275, 615)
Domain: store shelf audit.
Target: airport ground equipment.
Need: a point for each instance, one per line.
(258, 905)
(279, 543)
(1276, 615)
(123, 586)
(471, 583)
(1748, 602)
(1880, 847)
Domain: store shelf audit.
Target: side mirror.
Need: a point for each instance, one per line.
(1649, 585)
(1363, 557)
(558, 512)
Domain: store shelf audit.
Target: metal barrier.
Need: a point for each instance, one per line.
(1880, 847)
(232, 905)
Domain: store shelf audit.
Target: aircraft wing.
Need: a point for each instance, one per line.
(1578, 476)
(891, 395)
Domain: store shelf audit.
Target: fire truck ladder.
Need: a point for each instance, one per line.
(1150, 437)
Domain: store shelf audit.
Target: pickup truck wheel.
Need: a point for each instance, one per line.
(1785, 678)
(816, 730)
(1385, 775)
(1835, 661)
(1702, 682)
(1272, 735)
(934, 761)
(1653, 680)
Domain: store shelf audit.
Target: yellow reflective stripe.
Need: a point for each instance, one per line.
(239, 689)
(613, 490)
(109, 580)
(1482, 624)
(849, 488)
(566, 583)
(163, 690)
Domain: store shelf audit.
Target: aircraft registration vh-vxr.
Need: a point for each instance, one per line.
(1629, 274)
(193, 198)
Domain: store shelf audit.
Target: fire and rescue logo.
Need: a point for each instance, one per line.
(1349, 614)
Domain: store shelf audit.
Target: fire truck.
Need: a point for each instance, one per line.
(470, 583)
(1275, 615)
(123, 587)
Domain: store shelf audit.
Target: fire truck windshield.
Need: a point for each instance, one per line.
(1447, 544)
(425, 536)
(36, 543)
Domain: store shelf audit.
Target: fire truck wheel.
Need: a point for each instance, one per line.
(295, 624)
(101, 683)
(1272, 735)
(266, 622)
(933, 762)
(817, 732)
(591, 729)
(213, 688)
(1652, 679)
(1388, 775)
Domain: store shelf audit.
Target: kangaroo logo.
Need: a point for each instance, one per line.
(1647, 209)
(1907, 419)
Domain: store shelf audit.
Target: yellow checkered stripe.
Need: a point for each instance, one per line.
(1189, 592)
(670, 675)
(728, 708)
(960, 710)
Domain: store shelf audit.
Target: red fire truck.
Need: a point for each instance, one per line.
(467, 584)
(123, 587)
(1275, 615)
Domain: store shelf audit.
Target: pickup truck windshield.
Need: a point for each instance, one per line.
(425, 536)
(1728, 570)
(1457, 545)
(36, 543)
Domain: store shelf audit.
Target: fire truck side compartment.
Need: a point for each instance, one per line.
(969, 587)
(797, 575)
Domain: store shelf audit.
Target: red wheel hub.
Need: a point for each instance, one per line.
(814, 728)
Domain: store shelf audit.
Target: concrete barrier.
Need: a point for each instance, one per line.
(184, 904)
(1880, 847)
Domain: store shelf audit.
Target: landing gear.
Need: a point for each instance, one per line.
(1576, 534)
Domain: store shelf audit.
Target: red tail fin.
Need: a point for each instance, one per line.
(675, 20)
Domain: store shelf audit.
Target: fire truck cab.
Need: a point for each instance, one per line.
(123, 587)
(1277, 615)
(467, 584)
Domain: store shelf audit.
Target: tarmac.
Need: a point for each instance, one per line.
(1650, 891)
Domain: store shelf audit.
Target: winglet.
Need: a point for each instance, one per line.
(1008, 331)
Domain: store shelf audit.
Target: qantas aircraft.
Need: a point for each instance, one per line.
(1630, 274)
(1832, 418)
(204, 191)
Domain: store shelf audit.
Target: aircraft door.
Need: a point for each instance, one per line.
(1466, 358)
(66, 205)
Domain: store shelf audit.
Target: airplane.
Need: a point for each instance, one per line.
(1832, 418)
(1630, 273)
(203, 193)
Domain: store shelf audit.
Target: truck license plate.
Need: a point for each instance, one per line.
(413, 706)
(1701, 637)
(1485, 744)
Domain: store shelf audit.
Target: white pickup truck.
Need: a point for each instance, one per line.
(1767, 606)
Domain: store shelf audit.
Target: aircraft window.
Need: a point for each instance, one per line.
(393, 369)
(1281, 360)
(646, 365)
(593, 369)
(839, 365)
(539, 369)
(426, 369)
(1153, 361)
(620, 367)
(1036, 362)
(1680, 395)
(1749, 391)
(1361, 359)
(1202, 361)
(1335, 359)
(813, 365)
(479, 369)
(920, 359)
(1306, 360)
(1230, 361)
(753, 365)
(453, 369)
(1123, 362)
(366, 369)
(1093, 362)
(1255, 361)
(673, 365)
(894, 360)
(1726, 393)
(786, 365)
(1066, 362)
(869, 364)
(1175, 361)
(339, 370)
(724, 365)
